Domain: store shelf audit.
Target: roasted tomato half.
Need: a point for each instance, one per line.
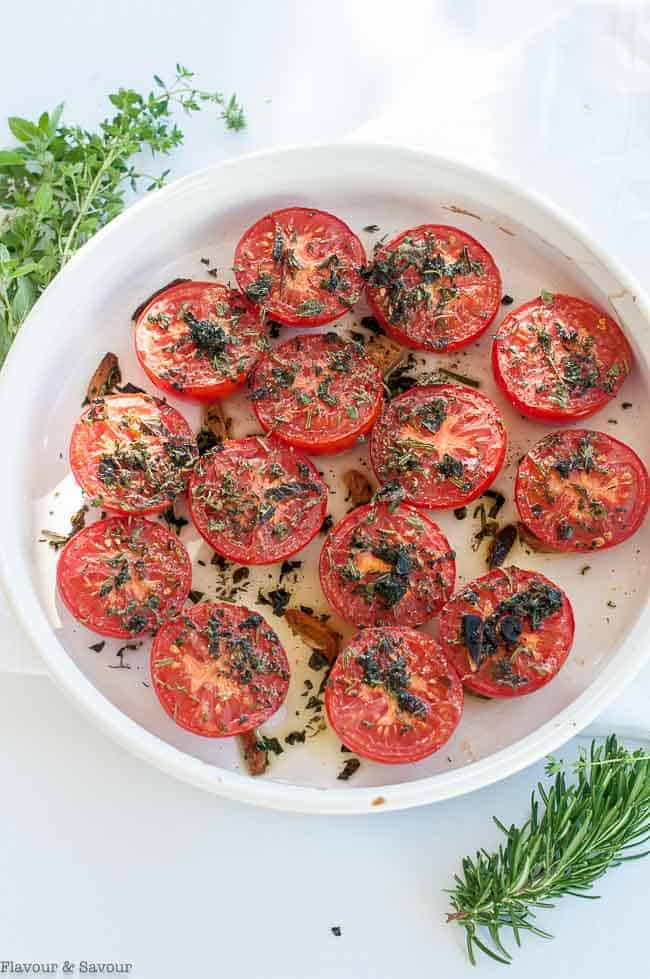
(559, 357)
(124, 576)
(434, 287)
(580, 490)
(301, 266)
(219, 670)
(444, 444)
(317, 392)
(507, 633)
(384, 565)
(199, 340)
(257, 501)
(392, 696)
(132, 452)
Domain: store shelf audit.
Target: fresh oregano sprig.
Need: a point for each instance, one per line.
(61, 183)
(576, 831)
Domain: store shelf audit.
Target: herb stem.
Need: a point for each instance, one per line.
(574, 833)
(69, 244)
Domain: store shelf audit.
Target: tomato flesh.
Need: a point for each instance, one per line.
(580, 490)
(381, 566)
(257, 501)
(317, 392)
(219, 670)
(132, 453)
(302, 266)
(560, 358)
(508, 632)
(392, 696)
(123, 576)
(199, 340)
(444, 444)
(434, 287)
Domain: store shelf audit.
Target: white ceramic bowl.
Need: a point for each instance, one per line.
(86, 311)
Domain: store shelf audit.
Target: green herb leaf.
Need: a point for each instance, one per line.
(9, 158)
(43, 198)
(23, 300)
(23, 129)
(64, 183)
(546, 297)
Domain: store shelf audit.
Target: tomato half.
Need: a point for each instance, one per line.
(123, 576)
(199, 340)
(443, 443)
(257, 501)
(302, 266)
(508, 632)
(434, 288)
(219, 670)
(560, 358)
(132, 452)
(317, 392)
(383, 567)
(392, 696)
(580, 490)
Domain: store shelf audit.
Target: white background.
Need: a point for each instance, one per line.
(104, 859)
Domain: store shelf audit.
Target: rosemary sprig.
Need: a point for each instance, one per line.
(575, 832)
(60, 184)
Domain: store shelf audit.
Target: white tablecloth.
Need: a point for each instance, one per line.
(102, 858)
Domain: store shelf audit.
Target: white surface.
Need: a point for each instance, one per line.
(103, 858)
(554, 95)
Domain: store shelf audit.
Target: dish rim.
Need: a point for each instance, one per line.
(267, 792)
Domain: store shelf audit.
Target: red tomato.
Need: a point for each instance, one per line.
(219, 670)
(257, 501)
(579, 490)
(302, 266)
(443, 443)
(199, 340)
(132, 453)
(434, 288)
(392, 696)
(379, 567)
(123, 576)
(560, 358)
(507, 633)
(317, 392)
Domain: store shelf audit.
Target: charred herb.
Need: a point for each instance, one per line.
(350, 766)
(482, 637)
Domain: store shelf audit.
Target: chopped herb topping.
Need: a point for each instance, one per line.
(383, 666)
(268, 744)
(502, 545)
(419, 259)
(278, 599)
(350, 766)
(310, 307)
(483, 636)
(259, 290)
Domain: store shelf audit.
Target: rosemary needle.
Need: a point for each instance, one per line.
(575, 832)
